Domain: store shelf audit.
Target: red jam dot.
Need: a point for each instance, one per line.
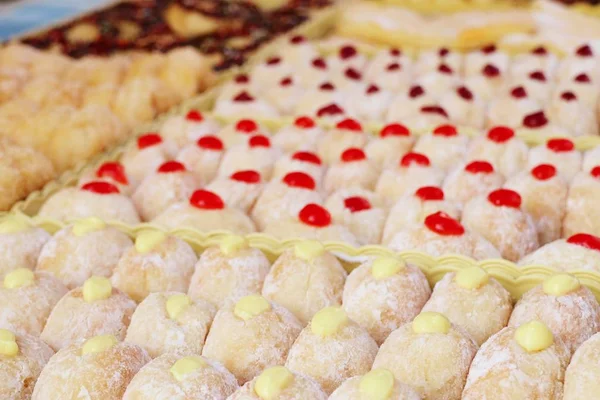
(479, 167)
(286, 81)
(170, 167)
(535, 120)
(395, 52)
(416, 91)
(505, 198)
(210, 142)
(304, 123)
(357, 204)
(568, 96)
(259, 141)
(443, 224)
(329, 110)
(394, 130)
(242, 78)
(299, 180)
(307, 156)
(443, 52)
(434, 110)
(415, 158)
(347, 52)
(273, 61)
(560, 145)
(195, 116)
(246, 126)
(353, 74)
(585, 240)
(319, 63)
(445, 130)
(489, 49)
(445, 69)
(243, 97)
(113, 170)
(429, 193)
(206, 200)
(247, 176)
(500, 134)
(519, 92)
(328, 87)
(538, 76)
(583, 78)
(490, 71)
(297, 39)
(543, 172)
(100, 187)
(315, 215)
(350, 125)
(464, 93)
(372, 89)
(595, 172)
(539, 51)
(353, 154)
(149, 140)
(585, 51)
(393, 67)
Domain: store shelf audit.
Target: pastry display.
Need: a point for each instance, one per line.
(87, 248)
(322, 275)
(581, 372)
(383, 294)
(331, 349)
(170, 322)
(378, 384)
(250, 335)
(580, 214)
(101, 367)
(579, 251)
(430, 354)
(180, 378)
(156, 263)
(20, 244)
(94, 309)
(226, 273)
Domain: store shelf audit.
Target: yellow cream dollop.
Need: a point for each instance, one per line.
(96, 288)
(384, 267)
(232, 244)
(8, 343)
(534, 336)
(87, 225)
(14, 225)
(308, 250)
(272, 382)
(561, 284)
(431, 322)
(18, 278)
(377, 384)
(147, 241)
(328, 321)
(251, 306)
(98, 344)
(177, 304)
(187, 365)
(471, 278)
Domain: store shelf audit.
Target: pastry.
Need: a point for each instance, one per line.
(519, 363)
(250, 335)
(369, 102)
(536, 84)
(559, 152)
(566, 104)
(548, 210)
(499, 218)
(591, 160)
(390, 68)
(431, 354)
(347, 133)
(581, 212)
(182, 130)
(111, 172)
(487, 83)
(538, 124)
(94, 309)
(302, 135)
(299, 50)
(239, 131)
(325, 102)
(472, 300)
(583, 87)
(174, 377)
(580, 377)
(245, 104)
(352, 169)
(439, 80)
(464, 107)
(383, 294)
(205, 212)
(376, 384)
(27, 298)
(428, 117)
(99, 368)
(444, 137)
(285, 95)
(228, 272)
(407, 104)
(579, 251)
(475, 61)
(20, 244)
(321, 274)
(157, 263)
(538, 59)
(393, 139)
(149, 153)
(509, 108)
(429, 60)
(256, 154)
(170, 322)
(440, 235)
(331, 349)
(564, 305)
(203, 157)
(87, 248)
(273, 69)
(347, 56)
(301, 161)
(473, 179)
(240, 190)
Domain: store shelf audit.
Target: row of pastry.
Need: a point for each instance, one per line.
(533, 91)
(244, 315)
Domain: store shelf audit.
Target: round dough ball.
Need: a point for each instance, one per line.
(173, 377)
(305, 279)
(352, 169)
(445, 146)
(27, 298)
(282, 384)
(144, 158)
(471, 180)
(377, 384)
(22, 358)
(347, 133)
(87, 248)
(331, 349)
(20, 245)
(472, 300)
(203, 157)
(580, 251)
(92, 310)
(559, 152)
(581, 214)
(567, 307)
(182, 130)
(431, 354)
(100, 368)
(581, 378)
(170, 322)
(384, 294)
(157, 263)
(255, 154)
(393, 139)
(250, 335)
(228, 272)
(240, 190)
